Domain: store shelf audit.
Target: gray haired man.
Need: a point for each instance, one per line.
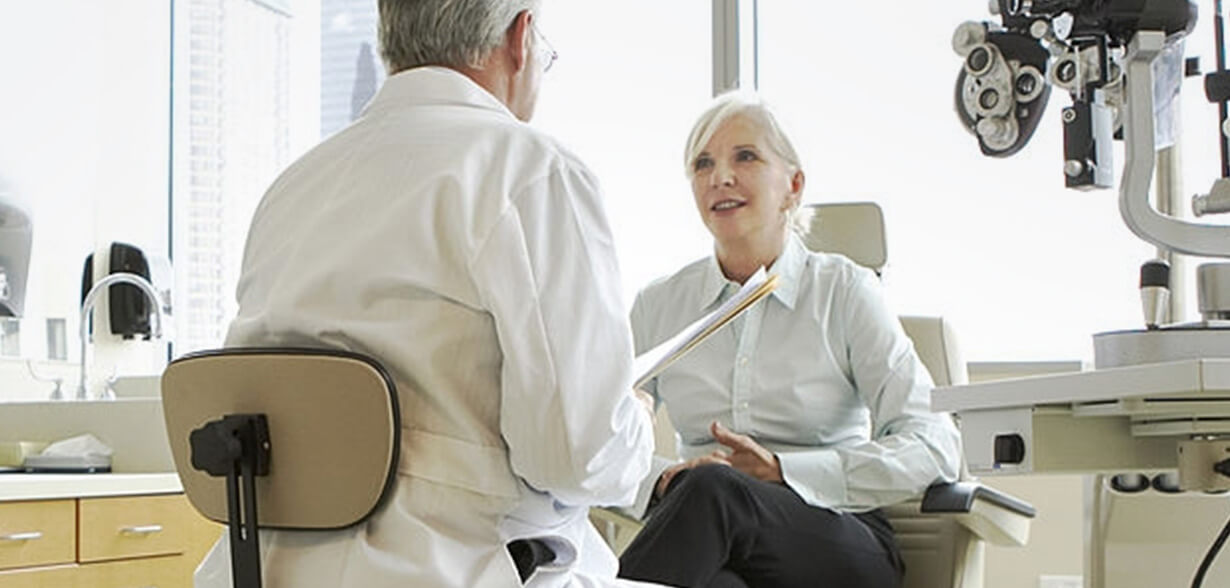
(470, 254)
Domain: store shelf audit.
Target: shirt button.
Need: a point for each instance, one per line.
(743, 405)
(743, 360)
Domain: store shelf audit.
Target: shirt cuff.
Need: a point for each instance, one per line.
(816, 476)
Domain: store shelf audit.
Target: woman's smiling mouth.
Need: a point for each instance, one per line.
(726, 205)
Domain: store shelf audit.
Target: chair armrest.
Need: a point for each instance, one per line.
(996, 517)
(616, 528)
(614, 516)
(960, 497)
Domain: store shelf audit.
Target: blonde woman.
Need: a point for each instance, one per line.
(801, 419)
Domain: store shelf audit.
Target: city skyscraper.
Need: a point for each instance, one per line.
(350, 67)
(234, 102)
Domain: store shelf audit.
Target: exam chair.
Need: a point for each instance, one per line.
(304, 439)
(942, 534)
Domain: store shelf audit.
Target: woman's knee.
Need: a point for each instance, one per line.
(709, 480)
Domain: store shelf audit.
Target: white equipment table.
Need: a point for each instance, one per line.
(1110, 421)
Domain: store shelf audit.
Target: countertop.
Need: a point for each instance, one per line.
(15, 487)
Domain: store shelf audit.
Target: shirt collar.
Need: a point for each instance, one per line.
(788, 267)
(433, 85)
(713, 287)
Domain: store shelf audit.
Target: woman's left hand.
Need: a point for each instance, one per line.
(747, 455)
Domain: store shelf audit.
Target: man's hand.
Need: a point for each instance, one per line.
(747, 455)
(664, 481)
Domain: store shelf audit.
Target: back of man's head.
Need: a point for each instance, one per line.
(450, 33)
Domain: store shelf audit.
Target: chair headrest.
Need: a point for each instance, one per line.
(853, 229)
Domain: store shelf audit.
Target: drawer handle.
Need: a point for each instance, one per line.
(31, 536)
(141, 530)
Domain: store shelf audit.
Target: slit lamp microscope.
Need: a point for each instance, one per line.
(1158, 398)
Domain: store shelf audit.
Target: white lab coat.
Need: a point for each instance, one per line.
(470, 254)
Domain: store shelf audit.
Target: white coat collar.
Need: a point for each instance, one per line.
(433, 85)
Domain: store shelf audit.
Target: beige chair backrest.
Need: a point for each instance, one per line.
(853, 229)
(334, 429)
(935, 341)
(856, 230)
(939, 552)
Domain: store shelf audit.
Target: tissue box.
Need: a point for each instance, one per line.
(14, 453)
(68, 464)
(81, 454)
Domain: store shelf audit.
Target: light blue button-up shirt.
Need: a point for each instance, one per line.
(820, 372)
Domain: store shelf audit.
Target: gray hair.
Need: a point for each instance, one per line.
(451, 33)
(734, 103)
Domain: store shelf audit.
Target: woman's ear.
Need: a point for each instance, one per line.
(795, 196)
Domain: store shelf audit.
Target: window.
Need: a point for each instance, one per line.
(232, 133)
(624, 108)
(1025, 268)
(350, 67)
(628, 85)
(241, 62)
(84, 142)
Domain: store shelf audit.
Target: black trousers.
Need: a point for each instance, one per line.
(717, 527)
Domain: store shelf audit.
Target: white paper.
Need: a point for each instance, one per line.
(651, 363)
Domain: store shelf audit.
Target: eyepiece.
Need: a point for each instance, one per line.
(979, 61)
(988, 99)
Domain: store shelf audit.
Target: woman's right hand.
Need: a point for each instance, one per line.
(664, 481)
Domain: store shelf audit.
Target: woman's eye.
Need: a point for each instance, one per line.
(746, 155)
(702, 163)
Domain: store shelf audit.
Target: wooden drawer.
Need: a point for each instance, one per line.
(54, 576)
(154, 572)
(37, 533)
(127, 527)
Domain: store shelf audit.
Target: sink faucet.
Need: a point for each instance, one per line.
(88, 304)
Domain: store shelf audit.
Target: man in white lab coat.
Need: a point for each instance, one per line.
(470, 254)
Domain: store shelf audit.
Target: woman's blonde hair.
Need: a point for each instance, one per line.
(752, 105)
(739, 102)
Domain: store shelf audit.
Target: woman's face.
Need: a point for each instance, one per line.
(743, 190)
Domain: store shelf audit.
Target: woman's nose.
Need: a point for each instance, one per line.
(722, 175)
